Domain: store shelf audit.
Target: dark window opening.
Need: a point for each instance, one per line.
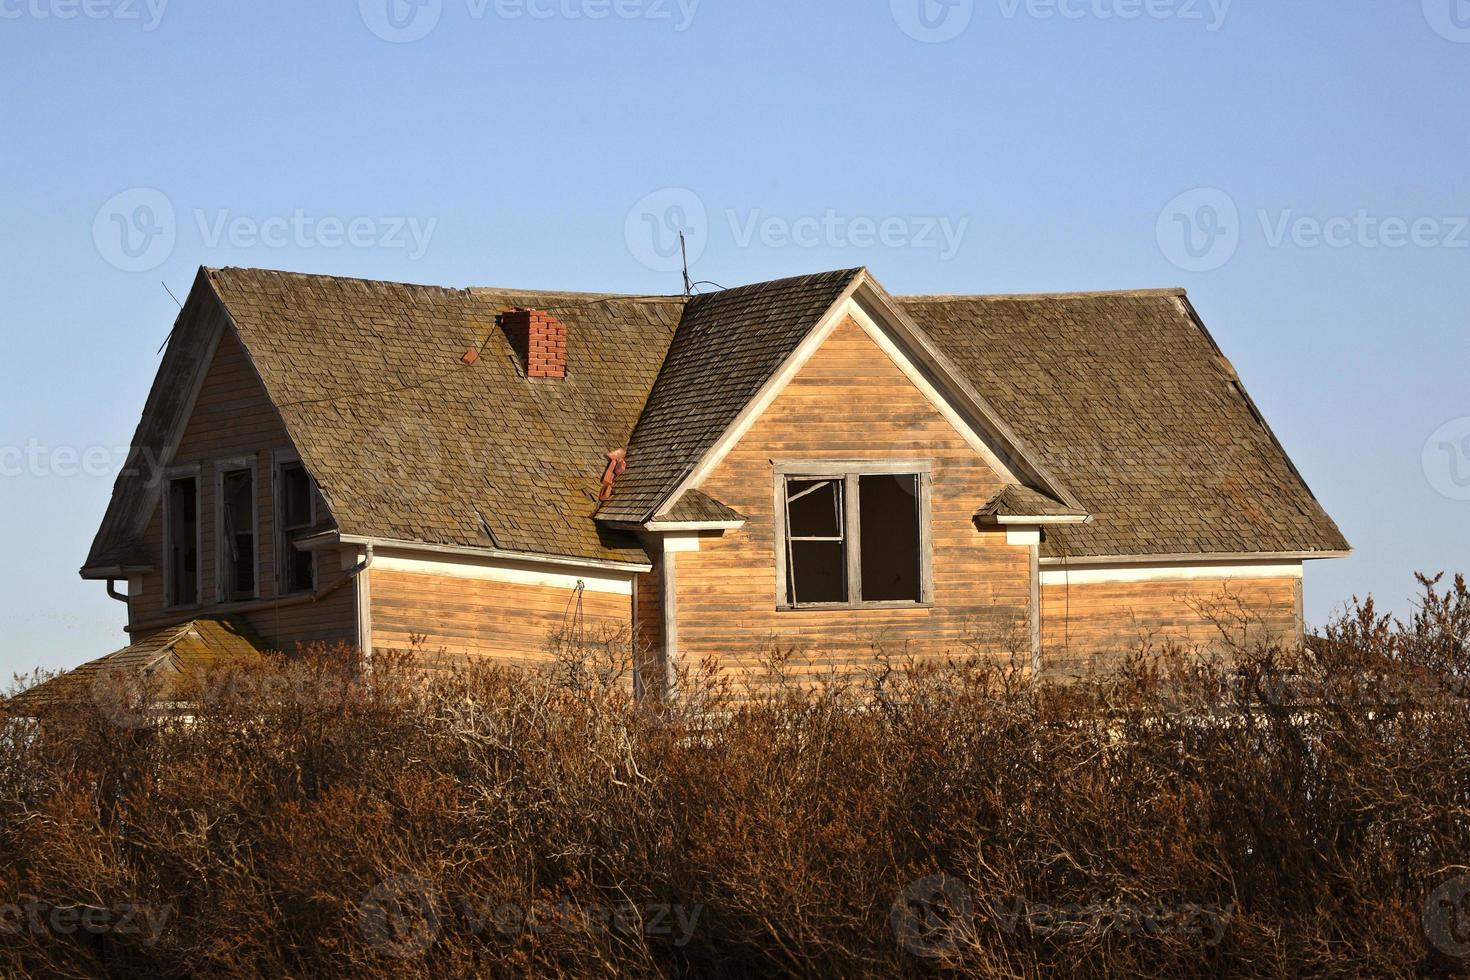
(816, 555)
(891, 560)
(182, 544)
(854, 538)
(237, 512)
(298, 568)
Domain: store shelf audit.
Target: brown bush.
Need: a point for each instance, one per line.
(1277, 814)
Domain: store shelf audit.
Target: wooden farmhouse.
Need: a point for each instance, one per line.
(809, 463)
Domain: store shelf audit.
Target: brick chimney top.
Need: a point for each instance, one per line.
(539, 339)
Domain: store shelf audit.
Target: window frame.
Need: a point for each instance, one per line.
(849, 471)
(222, 468)
(280, 460)
(171, 476)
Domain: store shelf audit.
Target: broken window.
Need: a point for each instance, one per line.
(816, 550)
(294, 517)
(237, 535)
(181, 542)
(854, 538)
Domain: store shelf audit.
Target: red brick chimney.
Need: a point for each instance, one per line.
(539, 339)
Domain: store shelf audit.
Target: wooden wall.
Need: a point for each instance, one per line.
(461, 619)
(1104, 621)
(850, 401)
(233, 418)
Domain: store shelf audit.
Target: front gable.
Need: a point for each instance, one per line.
(853, 404)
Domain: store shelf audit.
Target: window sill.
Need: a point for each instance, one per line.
(853, 606)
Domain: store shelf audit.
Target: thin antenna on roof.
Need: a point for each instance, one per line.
(684, 254)
(170, 331)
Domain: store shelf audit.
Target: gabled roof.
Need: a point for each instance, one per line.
(727, 347)
(157, 659)
(1016, 501)
(695, 507)
(1115, 405)
(1129, 399)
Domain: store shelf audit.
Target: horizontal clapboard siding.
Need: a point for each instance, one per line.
(850, 402)
(1103, 621)
(452, 618)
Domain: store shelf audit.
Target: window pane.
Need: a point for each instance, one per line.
(295, 496)
(814, 508)
(818, 572)
(889, 509)
(183, 542)
(238, 490)
(295, 517)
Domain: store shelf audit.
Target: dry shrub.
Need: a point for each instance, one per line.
(1274, 813)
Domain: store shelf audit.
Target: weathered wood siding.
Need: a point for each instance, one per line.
(1104, 621)
(451, 618)
(648, 626)
(233, 418)
(850, 402)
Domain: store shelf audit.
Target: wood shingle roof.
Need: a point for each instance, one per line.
(1122, 396)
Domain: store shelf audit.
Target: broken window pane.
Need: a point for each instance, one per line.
(182, 545)
(237, 507)
(890, 541)
(814, 508)
(816, 556)
(296, 493)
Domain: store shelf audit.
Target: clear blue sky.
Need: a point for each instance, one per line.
(1053, 139)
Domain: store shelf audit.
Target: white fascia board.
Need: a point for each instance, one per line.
(1096, 574)
(664, 527)
(1035, 521)
(392, 545)
(511, 573)
(1241, 558)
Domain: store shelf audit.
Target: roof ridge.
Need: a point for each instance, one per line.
(1170, 291)
(462, 290)
(213, 271)
(808, 277)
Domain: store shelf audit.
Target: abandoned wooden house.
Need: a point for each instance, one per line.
(809, 462)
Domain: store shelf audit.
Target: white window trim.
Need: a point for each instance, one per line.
(281, 458)
(190, 472)
(221, 467)
(850, 470)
